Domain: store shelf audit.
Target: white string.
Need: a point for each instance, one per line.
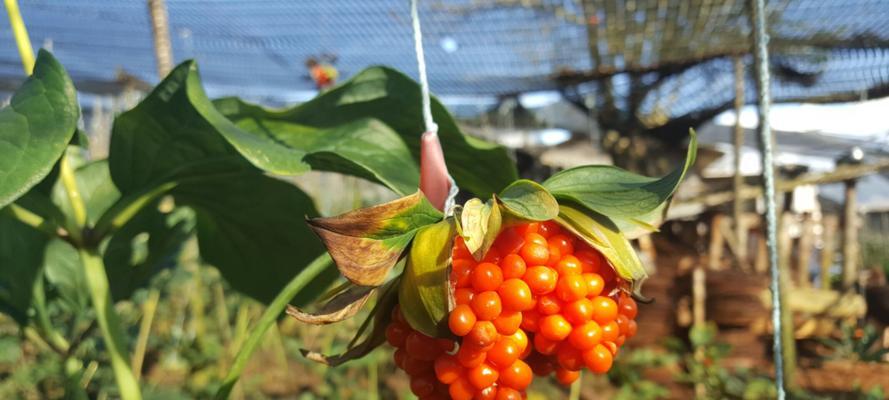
(421, 64)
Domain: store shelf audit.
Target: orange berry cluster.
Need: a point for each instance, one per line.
(541, 301)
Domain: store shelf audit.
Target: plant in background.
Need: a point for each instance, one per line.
(627, 374)
(857, 344)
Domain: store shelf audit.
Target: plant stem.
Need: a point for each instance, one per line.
(97, 281)
(148, 310)
(26, 52)
(125, 209)
(575, 388)
(373, 380)
(69, 182)
(43, 323)
(31, 219)
(275, 308)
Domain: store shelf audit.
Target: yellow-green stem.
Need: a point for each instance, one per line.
(43, 323)
(31, 219)
(26, 52)
(149, 308)
(115, 343)
(271, 314)
(69, 182)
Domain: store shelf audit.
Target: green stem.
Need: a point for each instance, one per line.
(148, 310)
(43, 323)
(271, 314)
(26, 52)
(125, 209)
(33, 220)
(69, 182)
(115, 342)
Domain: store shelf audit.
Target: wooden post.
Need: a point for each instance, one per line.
(160, 28)
(830, 223)
(806, 245)
(717, 242)
(738, 204)
(850, 235)
(787, 334)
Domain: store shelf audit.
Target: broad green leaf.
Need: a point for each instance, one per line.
(423, 292)
(96, 189)
(479, 224)
(626, 198)
(366, 243)
(252, 228)
(529, 201)
(21, 262)
(249, 226)
(64, 273)
(602, 234)
(390, 96)
(36, 127)
(378, 320)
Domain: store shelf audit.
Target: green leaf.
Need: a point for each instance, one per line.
(423, 292)
(480, 167)
(252, 228)
(626, 198)
(96, 189)
(21, 262)
(36, 127)
(366, 243)
(479, 224)
(249, 226)
(64, 273)
(602, 234)
(529, 200)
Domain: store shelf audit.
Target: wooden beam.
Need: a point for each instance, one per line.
(738, 179)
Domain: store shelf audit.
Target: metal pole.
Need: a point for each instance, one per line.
(738, 209)
(761, 57)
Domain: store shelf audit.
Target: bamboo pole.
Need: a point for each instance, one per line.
(850, 235)
(829, 224)
(806, 245)
(738, 203)
(160, 29)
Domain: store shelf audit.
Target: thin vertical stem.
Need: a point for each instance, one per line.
(149, 308)
(761, 53)
(26, 52)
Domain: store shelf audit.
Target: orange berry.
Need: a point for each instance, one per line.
(486, 305)
(396, 333)
(598, 359)
(604, 309)
(548, 229)
(513, 266)
(541, 279)
(482, 376)
(516, 295)
(564, 242)
(571, 287)
(590, 260)
(610, 331)
(620, 340)
(579, 311)
(627, 306)
(566, 377)
(520, 338)
(483, 334)
(534, 237)
(594, 282)
(508, 393)
(488, 393)
(554, 255)
(461, 320)
(422, 347)
(545, 346)
(611, 346)
(414, 366)
(463, 295)
(555, 327)
(569, 265)
(470, 356)
(517, 376)
(525, 229)
(485, 277)
(535, 253)
(508, 322)
(632, 328)
(569, 357)
(461, 389)
(422, 385)
(509, 241)
(504, 353)
(586, 336)
(530, 321)
(548, 304)
(493, 256)
(447, 369)
(461, 271)
(398, 357)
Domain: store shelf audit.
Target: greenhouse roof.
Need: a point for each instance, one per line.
(823, 50)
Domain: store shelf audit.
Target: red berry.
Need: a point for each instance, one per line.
(486, 276)
(486, 305)
(461, 320)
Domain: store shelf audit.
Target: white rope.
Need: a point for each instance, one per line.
(421, 64)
